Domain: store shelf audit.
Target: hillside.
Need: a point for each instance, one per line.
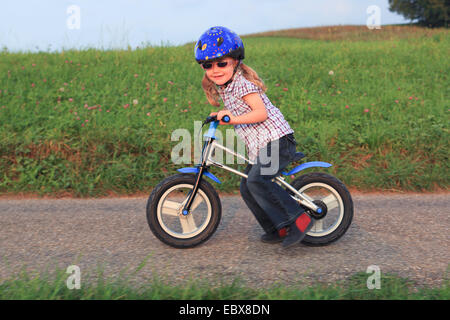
(89, 123)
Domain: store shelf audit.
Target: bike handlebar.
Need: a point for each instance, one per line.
(214, 118)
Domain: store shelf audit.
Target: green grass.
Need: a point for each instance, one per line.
(69, 124)
(45, 286)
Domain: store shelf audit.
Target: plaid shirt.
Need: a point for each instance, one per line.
(254, 135)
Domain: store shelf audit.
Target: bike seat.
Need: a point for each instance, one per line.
(298, 156)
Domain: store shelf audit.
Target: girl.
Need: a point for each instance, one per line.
(267, 135)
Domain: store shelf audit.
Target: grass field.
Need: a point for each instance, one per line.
(91, 123)
(54, 286)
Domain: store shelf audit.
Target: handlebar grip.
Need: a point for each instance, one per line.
(214, 118)
(210, 119)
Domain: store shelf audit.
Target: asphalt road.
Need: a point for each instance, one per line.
(403, 234)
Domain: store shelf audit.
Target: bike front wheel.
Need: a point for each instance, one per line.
(166, 220)
(331, 194)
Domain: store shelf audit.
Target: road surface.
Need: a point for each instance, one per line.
(403, 234)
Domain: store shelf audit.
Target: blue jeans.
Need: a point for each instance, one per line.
(271, 205)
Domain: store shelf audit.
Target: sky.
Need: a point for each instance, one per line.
(53, 25)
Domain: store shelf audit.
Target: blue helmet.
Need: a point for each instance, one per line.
(218, 42)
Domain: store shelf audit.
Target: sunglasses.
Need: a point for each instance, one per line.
(208, 65)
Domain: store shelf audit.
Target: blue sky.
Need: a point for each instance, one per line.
(26, 25)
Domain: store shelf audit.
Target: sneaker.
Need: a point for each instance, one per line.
(298, 230)
(274, 237)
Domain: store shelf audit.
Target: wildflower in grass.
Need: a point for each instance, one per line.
(285, 89)
(70, 100)
(136, 75)
(86, 105)
(33, 64)
(33, 85)
(169, 82)
(366, 110)
(126, 106)
(82, 88)
(165, 100)
(45, 80)
(61, 89)
(396, 101)
(331, 72)
(346, 106)
(135, 101)
(148, 114)
(277, 84)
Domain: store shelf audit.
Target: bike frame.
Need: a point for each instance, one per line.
(210, 144)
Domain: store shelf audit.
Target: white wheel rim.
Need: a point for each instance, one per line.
(333, 219)
(190, 225)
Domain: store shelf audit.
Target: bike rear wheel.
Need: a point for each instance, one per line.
(164, 208)
(330, 193)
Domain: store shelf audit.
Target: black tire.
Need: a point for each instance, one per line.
(170, 236)
(340, 197)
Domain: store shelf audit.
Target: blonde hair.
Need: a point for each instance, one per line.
(210, 87)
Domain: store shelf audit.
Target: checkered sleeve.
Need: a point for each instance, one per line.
(245, 87)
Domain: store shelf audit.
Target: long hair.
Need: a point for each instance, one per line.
(211, 90)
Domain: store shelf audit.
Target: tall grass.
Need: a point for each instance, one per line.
(94, 122)
(52, 286)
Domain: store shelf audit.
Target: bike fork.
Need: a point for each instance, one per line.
(198, 178)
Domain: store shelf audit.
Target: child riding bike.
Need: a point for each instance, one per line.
(261, 126)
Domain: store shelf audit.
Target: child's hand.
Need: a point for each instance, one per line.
(223, 113)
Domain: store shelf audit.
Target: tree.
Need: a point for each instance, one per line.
(430, 13)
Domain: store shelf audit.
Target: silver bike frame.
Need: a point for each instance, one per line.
(213, 144)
